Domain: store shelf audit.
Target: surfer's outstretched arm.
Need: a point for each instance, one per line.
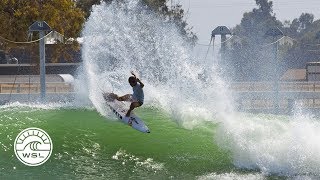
(133, 74)
(138, 80)
(141, 84)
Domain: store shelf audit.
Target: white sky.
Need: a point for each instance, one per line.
(205, 15)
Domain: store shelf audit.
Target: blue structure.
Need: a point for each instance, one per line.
(42, 27)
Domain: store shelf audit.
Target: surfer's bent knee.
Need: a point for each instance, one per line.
(135, 104)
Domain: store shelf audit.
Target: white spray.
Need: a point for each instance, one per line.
(121, 37)
(126, 36)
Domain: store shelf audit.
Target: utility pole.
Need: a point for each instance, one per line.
(318, 35)
(223, 31)
(42, 27)
(274, 32)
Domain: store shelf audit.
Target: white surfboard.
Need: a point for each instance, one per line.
(120, 109)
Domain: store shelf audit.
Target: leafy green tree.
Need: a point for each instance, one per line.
(176, 15)
(305, 49)
(17, 15)
(86, 6)
(305, 21)
(173, 14)
(250, 58)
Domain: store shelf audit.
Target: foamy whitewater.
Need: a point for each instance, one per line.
(126, 36)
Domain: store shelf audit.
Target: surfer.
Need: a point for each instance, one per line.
(136, 98)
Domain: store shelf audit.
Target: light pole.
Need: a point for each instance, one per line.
(318, 35)
(223, 31)
(274, 32)
(42, 27)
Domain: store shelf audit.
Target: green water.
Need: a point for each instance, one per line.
(89, 146)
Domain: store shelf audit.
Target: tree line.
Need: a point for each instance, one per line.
(66, 17)
(246, 57)
(249, 60)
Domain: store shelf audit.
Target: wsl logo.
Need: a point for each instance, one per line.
(33, 146)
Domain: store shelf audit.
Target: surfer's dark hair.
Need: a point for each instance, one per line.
(132, 79)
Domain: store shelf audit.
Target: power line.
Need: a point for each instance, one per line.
(26, 42)
(217, 43)
(233, 4)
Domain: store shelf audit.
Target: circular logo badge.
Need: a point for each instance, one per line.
(33, 146)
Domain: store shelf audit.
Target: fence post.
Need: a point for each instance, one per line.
(290, 106)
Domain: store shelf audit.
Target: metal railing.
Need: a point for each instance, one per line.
(25, 88)
(268, 86)
(261, 95)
